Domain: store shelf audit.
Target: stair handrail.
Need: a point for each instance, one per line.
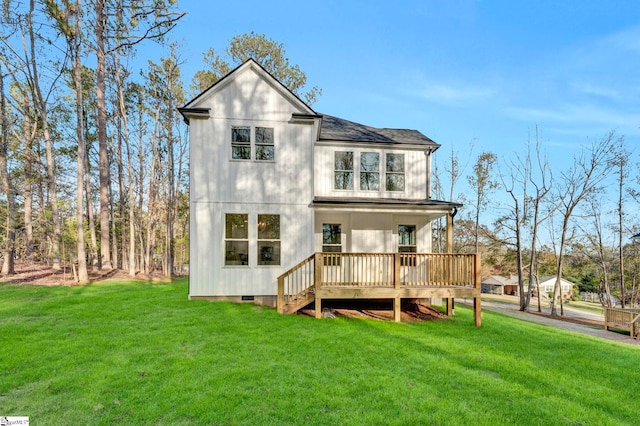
(282, 297)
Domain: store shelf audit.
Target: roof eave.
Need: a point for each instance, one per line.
(189, 113)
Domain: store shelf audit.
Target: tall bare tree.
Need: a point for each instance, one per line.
(620, 163)
(26, 62)
(582, 179)
(148, 19)
(596, 249)
(8, 267)
(542, 185)
(68, 19)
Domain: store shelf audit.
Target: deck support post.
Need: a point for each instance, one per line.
(477, 301)
(397, 308)
(449, 306)
(318, 307)
(477, 310)
(280, 300)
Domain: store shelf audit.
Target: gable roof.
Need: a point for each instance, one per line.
(338, 129)
(499, 280)
(551, 279)
(192, 109)
(331, 128)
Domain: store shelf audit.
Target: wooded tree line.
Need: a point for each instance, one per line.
(572, 221)
(93, 154)
(120, 137)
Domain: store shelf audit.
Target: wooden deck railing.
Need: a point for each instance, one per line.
(379, 270)
(297, 284)
(624, 319)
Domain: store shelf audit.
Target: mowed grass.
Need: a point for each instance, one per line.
(142, 354)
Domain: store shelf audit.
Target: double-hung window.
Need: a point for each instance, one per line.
(236, 239)
(343, 171)
(369, 171)
(264, 144)
(241, 143)
(395, 172)
(260, 148)
(268, 239)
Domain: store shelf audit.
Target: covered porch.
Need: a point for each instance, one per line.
(394, 276)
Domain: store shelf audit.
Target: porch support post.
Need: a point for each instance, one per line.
(449, 250)
(449, 232)
(280, 300)
(449, 306)
(477, 301)
(318, 307)
(397, 301)
(477, 310)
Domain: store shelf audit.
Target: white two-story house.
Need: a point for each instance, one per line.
(272, 182)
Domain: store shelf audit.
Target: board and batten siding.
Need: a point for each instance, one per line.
(416, 171)
(220, 185)
(374, 232)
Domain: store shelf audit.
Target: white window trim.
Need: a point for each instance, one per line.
(252, 144)
(357, 170)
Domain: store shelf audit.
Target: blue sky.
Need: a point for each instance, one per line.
(462, 72)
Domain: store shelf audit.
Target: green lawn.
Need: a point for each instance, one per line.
(142, 354)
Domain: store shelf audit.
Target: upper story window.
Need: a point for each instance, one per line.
(395, 172)
(343, 170)
(264, 144)
(241, 143)
(374, 174)
(370, 171)
(242, 146)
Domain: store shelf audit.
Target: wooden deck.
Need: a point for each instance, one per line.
(623, 319)
(393, 276)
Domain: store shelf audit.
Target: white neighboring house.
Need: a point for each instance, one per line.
(547, 283)
(272, 181)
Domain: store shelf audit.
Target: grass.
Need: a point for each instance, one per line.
(590, 307)
(141, 353)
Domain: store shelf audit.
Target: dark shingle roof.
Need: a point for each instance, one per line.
(338, 129)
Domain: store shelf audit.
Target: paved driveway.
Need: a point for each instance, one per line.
(512, 311)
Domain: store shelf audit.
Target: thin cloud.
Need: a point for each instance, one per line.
(577, 115)
(453, 94)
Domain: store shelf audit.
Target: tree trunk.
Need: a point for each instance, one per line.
(51, 169)
(83, 275)
(557, 288)
(102, 136)
(93, 238)
(8, 266)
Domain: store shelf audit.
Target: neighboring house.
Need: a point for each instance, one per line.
(547, 284)
(496, 284)
(272, 182)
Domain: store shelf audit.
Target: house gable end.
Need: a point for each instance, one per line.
(247, 92)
